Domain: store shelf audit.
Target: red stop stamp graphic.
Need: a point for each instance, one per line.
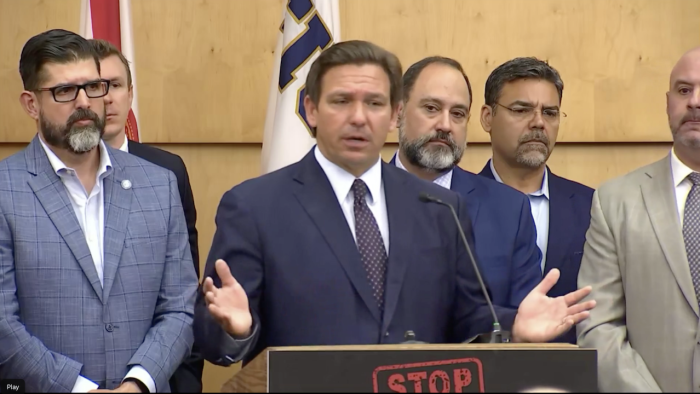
(446, 376)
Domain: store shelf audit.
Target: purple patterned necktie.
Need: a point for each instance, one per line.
(691, 230)
(369, 242)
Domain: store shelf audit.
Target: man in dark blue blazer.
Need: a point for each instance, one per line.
(338, 248)
(432, 139)
(522, 115)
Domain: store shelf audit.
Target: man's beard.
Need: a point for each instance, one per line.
(690, 141)
(533, 155)
(77, 139)
(434, 158)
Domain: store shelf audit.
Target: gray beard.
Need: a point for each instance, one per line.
(435, 159)
(77, 139)
(532, 157)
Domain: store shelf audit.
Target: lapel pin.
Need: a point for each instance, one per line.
(126, 184)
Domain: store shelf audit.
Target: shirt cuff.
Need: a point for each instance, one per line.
(138, 372)
(83, 385)
(236, 346)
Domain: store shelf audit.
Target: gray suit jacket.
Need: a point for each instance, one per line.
(56, 320)
(645, 324)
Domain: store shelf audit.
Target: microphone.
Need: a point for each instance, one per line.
(410, 338)
(496, 334)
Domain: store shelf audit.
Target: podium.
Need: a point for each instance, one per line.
(426, 368)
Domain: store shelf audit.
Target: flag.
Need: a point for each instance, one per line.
(308, 27)
(110, 20)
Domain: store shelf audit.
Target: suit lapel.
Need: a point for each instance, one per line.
(117, 205)
(52, 196)
(561, 219)
(661, 205)
(486, 171)
(398, 204)
(318, 199)
(462, 184)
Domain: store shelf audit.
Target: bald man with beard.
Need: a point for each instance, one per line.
(642, 258)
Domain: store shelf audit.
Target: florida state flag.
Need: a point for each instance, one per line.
(111, 20)
(308, 28)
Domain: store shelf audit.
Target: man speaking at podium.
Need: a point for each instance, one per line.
(338, 248)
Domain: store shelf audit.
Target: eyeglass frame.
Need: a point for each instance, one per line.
(77, 92)
(534, 110)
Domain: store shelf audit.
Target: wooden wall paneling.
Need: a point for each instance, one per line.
(615, 56)
(203, 68)
(19, 21)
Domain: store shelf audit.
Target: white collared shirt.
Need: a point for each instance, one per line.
(681, 183)
(88, 207)
(125, 146)
(342, 181)
(539, 206)
(89, 210)
(444, 180)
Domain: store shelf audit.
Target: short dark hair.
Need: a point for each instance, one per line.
(105, 49)
(354, 52)
(517, 69)
(413, 72)
(52, 46)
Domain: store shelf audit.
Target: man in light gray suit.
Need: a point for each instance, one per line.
(97, 284)
(642, 258)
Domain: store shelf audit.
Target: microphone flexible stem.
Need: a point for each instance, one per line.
(496, 335)
(496, 323)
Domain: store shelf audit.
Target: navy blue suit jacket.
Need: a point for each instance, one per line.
(569, 219)
(287, 242)
(504, 234)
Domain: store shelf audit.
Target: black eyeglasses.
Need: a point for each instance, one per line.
(522, 112)
(68, 93)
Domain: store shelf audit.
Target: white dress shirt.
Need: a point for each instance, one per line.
(444, 180)
(125, 145)
(89, 210)
(539, 206)
(681, 183)
(342, 181)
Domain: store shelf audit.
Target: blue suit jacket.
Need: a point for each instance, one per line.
(569, 218)
(288, 244)
(505, 236)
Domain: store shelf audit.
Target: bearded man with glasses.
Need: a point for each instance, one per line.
(97, 283)
(522, 114)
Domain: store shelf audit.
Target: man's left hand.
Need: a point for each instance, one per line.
(541, 318)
